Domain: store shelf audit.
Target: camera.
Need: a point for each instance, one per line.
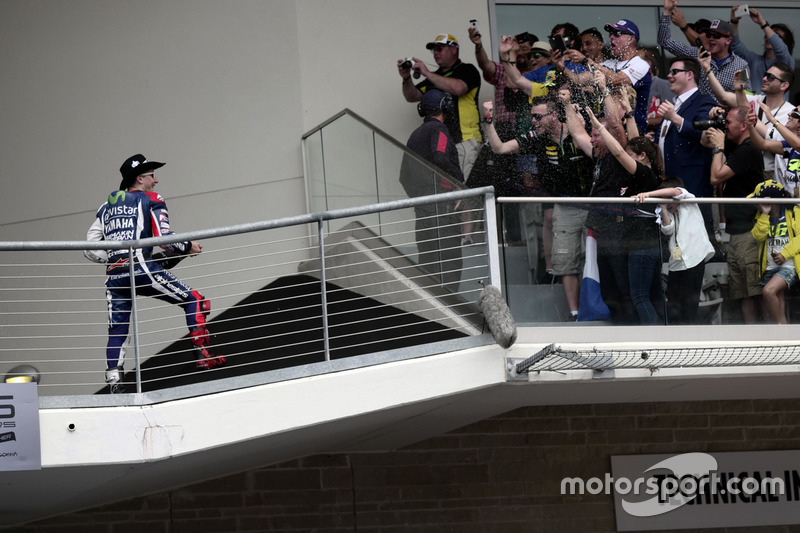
(717, 122)
(408, 63)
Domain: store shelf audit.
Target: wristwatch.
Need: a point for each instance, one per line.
(718, 150)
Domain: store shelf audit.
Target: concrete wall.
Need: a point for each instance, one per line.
(499, 475)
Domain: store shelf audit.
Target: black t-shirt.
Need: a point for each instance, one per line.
(463, 119)
(612, 180)
(563, 169)
(747, 163)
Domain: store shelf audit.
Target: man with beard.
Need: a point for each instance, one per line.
(775, 84)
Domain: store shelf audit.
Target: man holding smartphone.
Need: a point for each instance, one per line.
(724, 63)
(778, 44)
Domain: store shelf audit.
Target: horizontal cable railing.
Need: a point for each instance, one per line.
(284, 293)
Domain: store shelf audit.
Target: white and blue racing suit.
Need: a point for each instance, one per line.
(132, 215)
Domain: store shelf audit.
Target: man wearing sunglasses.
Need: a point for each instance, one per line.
(627, 68)
(462, 81)
(789, 148)
(563, 170)
(683, 154)
(775, 85)
(724, 63)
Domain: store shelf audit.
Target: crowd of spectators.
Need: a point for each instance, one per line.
(584, 113)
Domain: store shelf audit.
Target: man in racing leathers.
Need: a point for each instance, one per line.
(136, 212)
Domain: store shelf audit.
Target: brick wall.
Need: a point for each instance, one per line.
(502, 474)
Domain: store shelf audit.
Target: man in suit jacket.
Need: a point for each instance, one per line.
(679, 141)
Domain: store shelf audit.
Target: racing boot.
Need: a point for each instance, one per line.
(113, 380)
(205, 360)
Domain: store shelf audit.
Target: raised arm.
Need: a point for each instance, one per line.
(724, 97)
(789, 136)
(575, 123)
(498, 146)
(487, 66)
(720, 172)
(614, 120)
(612, 144)
(680, 21)
(665, 39)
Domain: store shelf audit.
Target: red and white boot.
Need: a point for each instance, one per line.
(200, 342)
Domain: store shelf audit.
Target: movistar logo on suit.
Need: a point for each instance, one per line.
(116, 196)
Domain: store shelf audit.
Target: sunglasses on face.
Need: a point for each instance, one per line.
(537, 55)
(795, 115)
(537, 116)
(769, 76)
(674, 71)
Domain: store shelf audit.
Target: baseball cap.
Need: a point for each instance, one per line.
(526, 37)
(443, 38)
(433, 98)
(768, 188)
(136, 165)
(542, 46)
(624, 26)
(718, 26)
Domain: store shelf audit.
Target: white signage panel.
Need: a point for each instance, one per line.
(705, 490)
(20, 447)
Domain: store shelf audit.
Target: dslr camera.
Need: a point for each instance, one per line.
(717, 122)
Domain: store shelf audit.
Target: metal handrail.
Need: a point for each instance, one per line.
(319, 270)
(250, 227)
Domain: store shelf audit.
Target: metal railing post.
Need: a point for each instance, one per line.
(134, 321)
(323, 292)
(492, 244)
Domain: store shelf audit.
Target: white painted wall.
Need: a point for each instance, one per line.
(222, 91)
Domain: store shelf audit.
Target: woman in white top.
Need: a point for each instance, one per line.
(689, 249)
